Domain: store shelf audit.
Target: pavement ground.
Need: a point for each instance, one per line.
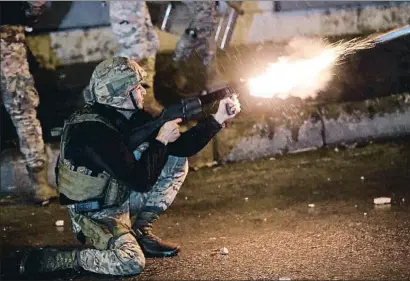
(259, 211)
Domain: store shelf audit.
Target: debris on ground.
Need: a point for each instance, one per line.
(246, 199)
(224, 251)
(216, 169)
(211, 164)
(362, 178)
(45, 202)
(382, 200)
(284, 279)
(59, 223)
(311, 205)
(383, 207)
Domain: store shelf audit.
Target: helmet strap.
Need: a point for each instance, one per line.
(134, 102)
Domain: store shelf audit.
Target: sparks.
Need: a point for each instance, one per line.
(303, 77)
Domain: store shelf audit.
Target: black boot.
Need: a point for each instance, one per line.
(43, 261)
(151, 245)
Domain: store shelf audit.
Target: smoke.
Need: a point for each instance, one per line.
(307, 67)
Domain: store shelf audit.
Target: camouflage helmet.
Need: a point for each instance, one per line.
(113, 79)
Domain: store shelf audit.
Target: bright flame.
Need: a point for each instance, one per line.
(302, 77)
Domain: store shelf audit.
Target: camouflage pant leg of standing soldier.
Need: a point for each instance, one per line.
(200, 38)
(204, 20)
(19, 95)
(132, 26)
(137, 40)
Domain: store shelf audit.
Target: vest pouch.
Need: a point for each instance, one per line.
(78, 186)
(115, 194)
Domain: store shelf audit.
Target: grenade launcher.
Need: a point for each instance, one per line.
(187, 109)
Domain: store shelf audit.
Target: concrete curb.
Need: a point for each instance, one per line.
(268, 133)
(265, 133)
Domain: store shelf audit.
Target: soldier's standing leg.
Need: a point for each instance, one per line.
(138, 40)
(155, 202)
(21, 100)
(200, 37)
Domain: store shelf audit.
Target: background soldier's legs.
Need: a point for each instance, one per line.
(138, 40)
(133, 29)
(21, 100)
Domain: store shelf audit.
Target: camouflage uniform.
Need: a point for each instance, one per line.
(138, 40)
(200, 37)
(116, 189)
(203, 22)
(21, 99)
(110, 231)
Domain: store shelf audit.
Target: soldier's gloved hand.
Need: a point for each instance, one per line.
(169, 132)
(222, 115)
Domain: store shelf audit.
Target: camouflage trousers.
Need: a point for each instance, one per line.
(204, 21)
(19, 95)
(138, 40)
(132, 26)
(116, 251)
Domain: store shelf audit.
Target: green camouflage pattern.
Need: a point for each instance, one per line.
(113, 79)
(132, 27)
(19, 95)
(115, 248)
(204, 21)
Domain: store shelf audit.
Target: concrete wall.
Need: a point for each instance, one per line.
(259, 24)
(267, 130)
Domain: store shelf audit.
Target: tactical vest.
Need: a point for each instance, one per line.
(92, 193)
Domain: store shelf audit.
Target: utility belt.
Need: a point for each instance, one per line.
(90, 193)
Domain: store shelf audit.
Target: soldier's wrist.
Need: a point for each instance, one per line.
(161, 139)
